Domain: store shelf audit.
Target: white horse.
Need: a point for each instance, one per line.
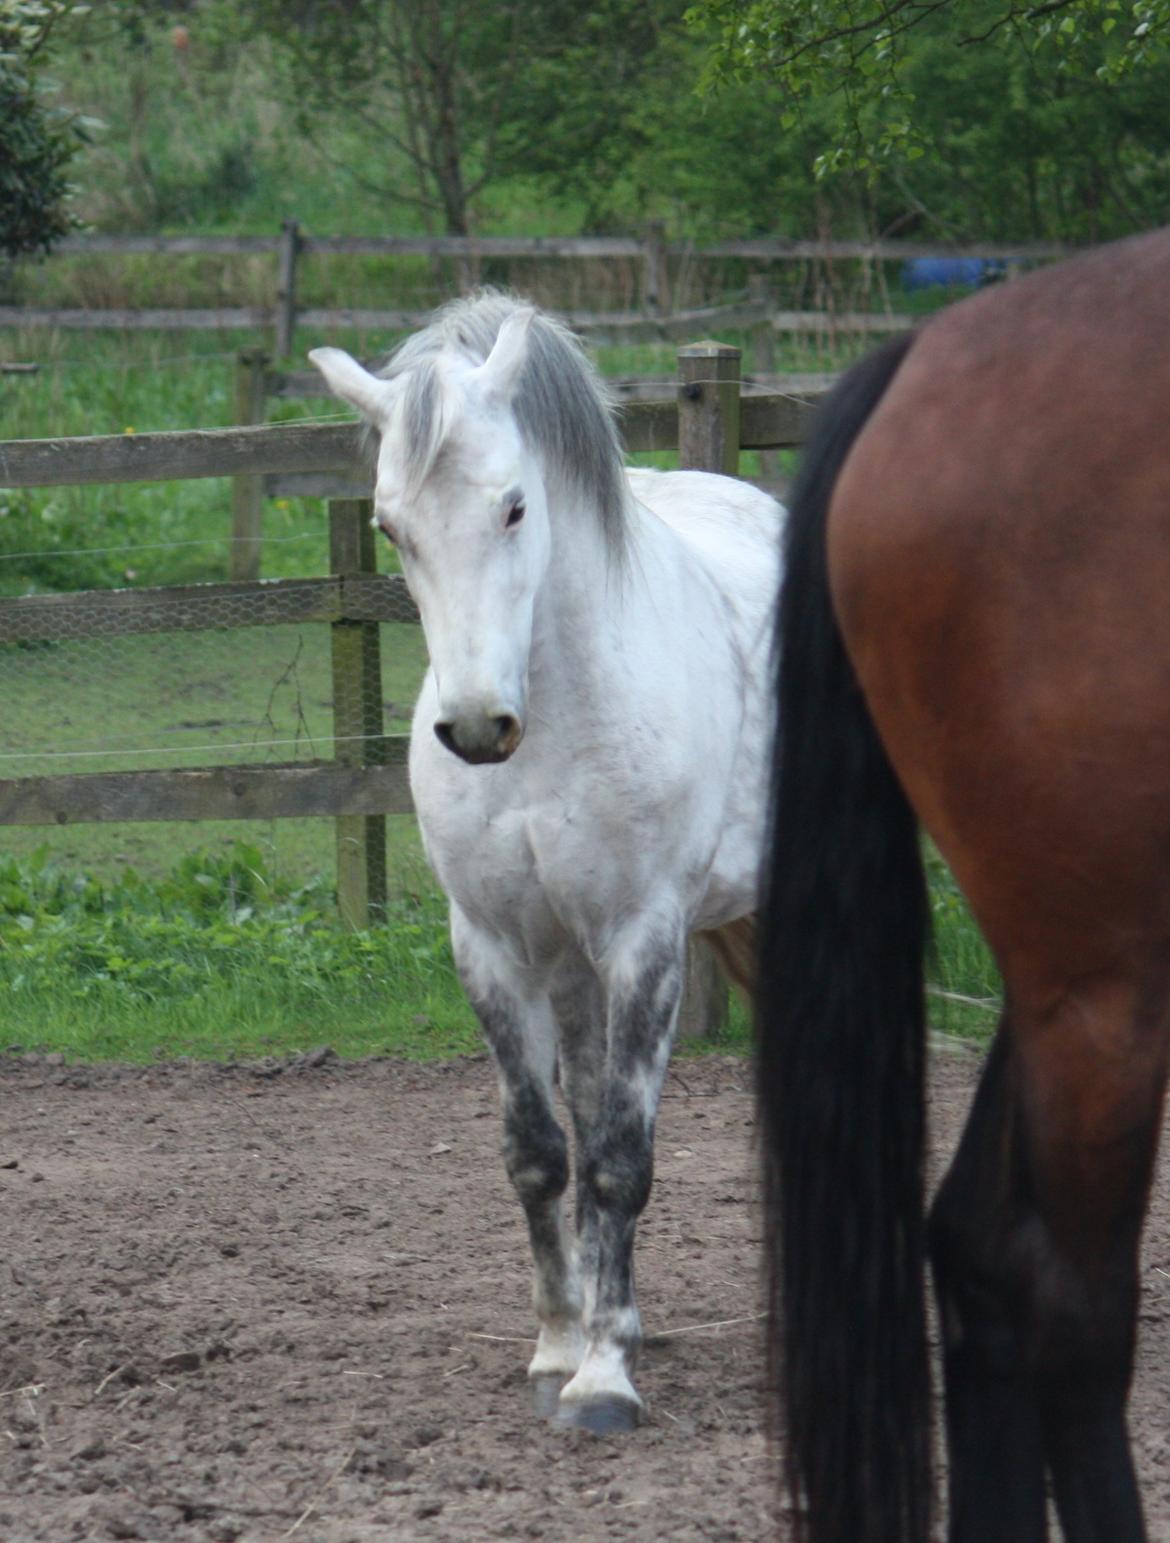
(587, 763)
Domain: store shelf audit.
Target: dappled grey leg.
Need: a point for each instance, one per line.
(616, 1170)
(522, 1035)
(579, 1007)
(578, 1004)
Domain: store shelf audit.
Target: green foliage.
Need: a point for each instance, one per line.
(982, 118)
(1034, 143)
(624, 135)
(208, 193)
(534, 115)
(219, 956)
(975, 120)
(430, 86)
(861, 47)
(37, 141)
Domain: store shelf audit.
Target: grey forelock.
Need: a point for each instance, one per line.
(562, 406)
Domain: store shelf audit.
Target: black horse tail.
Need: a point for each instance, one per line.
(841, 1051)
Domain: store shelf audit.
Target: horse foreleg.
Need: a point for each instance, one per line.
(579, 1006)
(616, 1165)
(521, 1033)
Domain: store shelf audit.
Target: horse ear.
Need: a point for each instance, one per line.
(500, 371)
(354, 384)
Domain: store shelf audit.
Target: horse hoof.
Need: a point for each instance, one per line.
(611, 1416)
(546, 1394)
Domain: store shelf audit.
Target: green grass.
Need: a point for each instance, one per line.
(223, 957)
(207, 697)
(964, 985)
(219, 958)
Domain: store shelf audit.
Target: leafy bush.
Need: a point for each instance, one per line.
(37, 142)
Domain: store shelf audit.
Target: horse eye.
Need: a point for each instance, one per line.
(515, 513)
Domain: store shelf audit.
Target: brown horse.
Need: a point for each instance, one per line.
(975, 630)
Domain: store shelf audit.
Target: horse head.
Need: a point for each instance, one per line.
(461, 493)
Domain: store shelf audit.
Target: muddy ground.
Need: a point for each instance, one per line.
(291, 1301)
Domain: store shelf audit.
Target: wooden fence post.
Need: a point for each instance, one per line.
(763, 359)
(286, 287)
(708, 440)
(357, 719)
(655, 271)
(248, 491)
(708, 407)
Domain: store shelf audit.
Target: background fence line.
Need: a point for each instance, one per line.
(768, 420)
(762, 249)
(655, 319)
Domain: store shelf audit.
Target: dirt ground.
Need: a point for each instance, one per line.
(291, 1300)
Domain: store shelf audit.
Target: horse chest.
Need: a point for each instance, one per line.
(559, 860)
(503, 854)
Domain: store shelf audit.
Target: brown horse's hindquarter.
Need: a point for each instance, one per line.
(999, 556)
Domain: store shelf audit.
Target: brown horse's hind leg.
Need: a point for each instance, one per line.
(994, 1442)
(1034, 1239)
(1092, 1076)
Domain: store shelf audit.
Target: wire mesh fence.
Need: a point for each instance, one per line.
(209, 696)
(105, 691)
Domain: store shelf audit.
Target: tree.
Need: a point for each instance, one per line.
(859, 50)
(425, 83)
(451, 97)
(36, 142)
(622, 134)
(984, 115)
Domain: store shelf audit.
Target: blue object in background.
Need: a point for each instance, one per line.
(951, 272)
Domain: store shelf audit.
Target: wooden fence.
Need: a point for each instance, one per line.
(709, 419)
(654, 253)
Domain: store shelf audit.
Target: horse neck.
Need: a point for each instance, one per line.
(594, 601)
(578, 610)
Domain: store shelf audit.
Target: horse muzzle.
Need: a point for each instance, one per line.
(480, 739)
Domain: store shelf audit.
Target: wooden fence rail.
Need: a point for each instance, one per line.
(604, 327)
(653, 252)
(762, 249)
(710, 419)
(768, 420)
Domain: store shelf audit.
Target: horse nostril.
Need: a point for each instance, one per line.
(480, 740)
